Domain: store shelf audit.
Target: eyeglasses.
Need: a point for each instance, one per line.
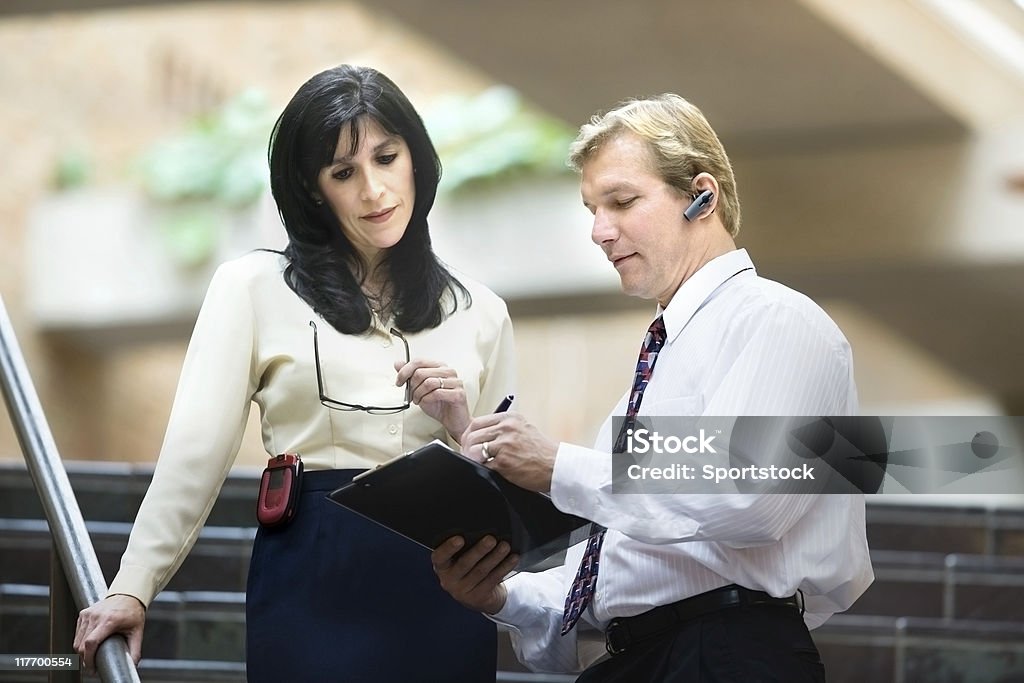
(335, 404)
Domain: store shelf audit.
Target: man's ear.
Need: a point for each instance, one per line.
(697, 206)
(704, 195)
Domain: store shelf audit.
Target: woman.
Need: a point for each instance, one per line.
(332, 339)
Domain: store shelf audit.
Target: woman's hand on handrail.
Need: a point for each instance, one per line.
(117, 614)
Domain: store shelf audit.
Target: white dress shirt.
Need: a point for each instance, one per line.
(252, 343)
(737, 344)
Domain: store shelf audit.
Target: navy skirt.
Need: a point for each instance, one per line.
(334, 597)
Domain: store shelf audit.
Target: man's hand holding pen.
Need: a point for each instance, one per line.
(506, 443)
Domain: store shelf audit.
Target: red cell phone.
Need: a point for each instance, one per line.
(279, 490)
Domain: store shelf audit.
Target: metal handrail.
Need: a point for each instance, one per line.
(70, 537)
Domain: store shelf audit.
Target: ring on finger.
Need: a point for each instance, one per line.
(487, 456)
(441, 385)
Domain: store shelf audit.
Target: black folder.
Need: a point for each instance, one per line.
(434, 493)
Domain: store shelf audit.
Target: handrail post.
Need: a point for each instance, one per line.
(67, 526)
(63, 616)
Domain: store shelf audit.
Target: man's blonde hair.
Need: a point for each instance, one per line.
(681, 141)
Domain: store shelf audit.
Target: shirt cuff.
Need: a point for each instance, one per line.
(516, 609)
(137, 582)
(578, 474)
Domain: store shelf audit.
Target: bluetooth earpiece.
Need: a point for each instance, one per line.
(699, 202)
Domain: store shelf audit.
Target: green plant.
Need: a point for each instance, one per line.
(493, 136)
(72, 170)
(218, 163)
(220, 157)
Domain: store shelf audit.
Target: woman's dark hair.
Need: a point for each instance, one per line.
(324, 269)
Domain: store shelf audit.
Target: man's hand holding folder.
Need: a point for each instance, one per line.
(474, 578)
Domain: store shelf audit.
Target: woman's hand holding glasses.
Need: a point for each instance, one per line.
(438, 391)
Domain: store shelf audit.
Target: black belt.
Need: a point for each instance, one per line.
(624, 632)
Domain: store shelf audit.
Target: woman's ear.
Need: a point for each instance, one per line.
(314, 195)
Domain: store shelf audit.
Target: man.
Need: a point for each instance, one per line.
(708, 587)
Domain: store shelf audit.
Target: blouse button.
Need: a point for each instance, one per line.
(386, 343)
(392, 429)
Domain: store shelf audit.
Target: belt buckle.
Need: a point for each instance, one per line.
(612, 649)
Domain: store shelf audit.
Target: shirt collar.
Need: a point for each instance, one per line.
(701, 287)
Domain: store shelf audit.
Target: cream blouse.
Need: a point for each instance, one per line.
(252, 343)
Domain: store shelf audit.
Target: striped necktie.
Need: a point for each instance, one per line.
(586, 576)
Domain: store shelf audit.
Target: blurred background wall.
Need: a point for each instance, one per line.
(878, 150)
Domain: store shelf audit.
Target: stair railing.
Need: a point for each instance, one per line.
(76, 580)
